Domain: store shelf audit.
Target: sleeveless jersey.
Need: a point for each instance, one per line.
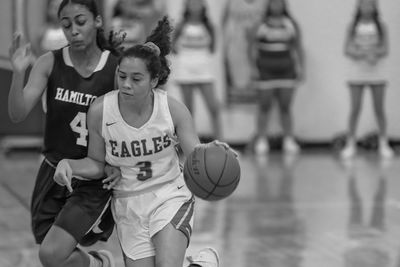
(194, 37)
(275, 38)
(366, 35)
(68, 98)
(145, 155)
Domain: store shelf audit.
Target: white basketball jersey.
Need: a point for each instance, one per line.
(145, 155)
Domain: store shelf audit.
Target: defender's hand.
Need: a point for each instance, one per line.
(63, 174)
(20, 55)
(113, 177)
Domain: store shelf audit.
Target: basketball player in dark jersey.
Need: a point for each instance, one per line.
(69, 80)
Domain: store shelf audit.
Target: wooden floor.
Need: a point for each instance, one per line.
(312, 210)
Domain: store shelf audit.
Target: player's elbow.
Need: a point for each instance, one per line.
(97, 175)
(98, 170)
(16, 117)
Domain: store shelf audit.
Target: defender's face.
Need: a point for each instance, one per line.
(79, 25)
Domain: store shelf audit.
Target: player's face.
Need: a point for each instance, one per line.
(79, 26)
(133, 78)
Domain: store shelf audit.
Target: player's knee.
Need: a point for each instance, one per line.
(50, 256)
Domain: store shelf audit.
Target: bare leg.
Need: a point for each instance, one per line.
(187, 94)
(145, 262)
(59, 249)
(210, 98)
(265, 104)
(378, 96)
(170, 245)
(261, 145)
(285, 96)
(356, 93)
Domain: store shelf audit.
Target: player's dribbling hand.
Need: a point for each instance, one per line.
(63, 174)
(113, 177)
(20, 55)
(221, 144)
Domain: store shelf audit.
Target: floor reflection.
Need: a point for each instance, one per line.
(312, 210)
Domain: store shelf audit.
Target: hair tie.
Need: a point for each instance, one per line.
(153, 47)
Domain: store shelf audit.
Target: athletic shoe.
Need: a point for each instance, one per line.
(385, 151)
(105, 257)
(261, 146)
(349, 151)
(206, 257)
(290, 145)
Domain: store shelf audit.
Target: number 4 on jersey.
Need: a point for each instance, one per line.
(78, 125)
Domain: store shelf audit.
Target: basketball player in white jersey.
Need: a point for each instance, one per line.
(136, 129)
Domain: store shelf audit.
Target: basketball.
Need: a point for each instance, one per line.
(211, 172)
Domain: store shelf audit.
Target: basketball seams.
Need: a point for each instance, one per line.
(220, 176)
(233, 181)
(230, 183)
(192, 177)
(208, 187)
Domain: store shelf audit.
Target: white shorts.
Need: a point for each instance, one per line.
(362, 72)
(194, 67)
(139, 217)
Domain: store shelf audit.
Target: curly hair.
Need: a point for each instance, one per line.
(155, 59)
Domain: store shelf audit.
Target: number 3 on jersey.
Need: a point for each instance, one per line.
(145, 171)
(78, 125)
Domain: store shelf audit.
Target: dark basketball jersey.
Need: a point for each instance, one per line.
(67, 102)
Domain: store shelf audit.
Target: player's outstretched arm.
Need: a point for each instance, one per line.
(184, 125)
(21, 100)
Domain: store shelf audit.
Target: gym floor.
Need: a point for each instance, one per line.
(312, 210)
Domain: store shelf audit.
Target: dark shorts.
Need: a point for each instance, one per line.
(85, 213)
(276, 65)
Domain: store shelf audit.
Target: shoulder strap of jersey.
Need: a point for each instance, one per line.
(110, 110)
(164, 107)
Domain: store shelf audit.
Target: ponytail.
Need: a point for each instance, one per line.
(112, 43)
(154, 52)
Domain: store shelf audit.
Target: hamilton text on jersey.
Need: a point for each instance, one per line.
(137, 148)
(70, 96)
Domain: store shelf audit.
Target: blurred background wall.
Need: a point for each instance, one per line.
(321, 104)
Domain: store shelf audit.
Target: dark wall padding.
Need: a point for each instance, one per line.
(33, 124)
